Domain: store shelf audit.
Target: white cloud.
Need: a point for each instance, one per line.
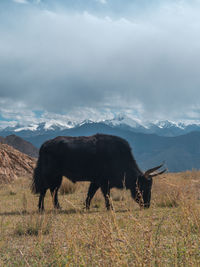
(20, 1)
(102, 1)
(16, 112)
(86, 65)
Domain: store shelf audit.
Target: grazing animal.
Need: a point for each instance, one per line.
(104, 160)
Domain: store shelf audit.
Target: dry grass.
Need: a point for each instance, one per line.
(67, 187)
(167, 234)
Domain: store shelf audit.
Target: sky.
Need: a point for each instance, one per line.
(94, 59)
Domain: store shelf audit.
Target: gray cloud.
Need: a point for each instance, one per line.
(62, 62)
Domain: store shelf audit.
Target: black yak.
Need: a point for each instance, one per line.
(104, 160)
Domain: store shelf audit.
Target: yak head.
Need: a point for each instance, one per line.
(142, 192)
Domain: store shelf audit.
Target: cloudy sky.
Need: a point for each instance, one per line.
(92, 59)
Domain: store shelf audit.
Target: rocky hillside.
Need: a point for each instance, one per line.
(14, 164)
(20, 144)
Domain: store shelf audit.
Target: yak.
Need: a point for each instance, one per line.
(106, 161)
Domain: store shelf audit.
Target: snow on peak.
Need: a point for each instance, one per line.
(165, 124)
(86, 122)
(32, 127)
(53, 125)
(122, 119)
(46, 126)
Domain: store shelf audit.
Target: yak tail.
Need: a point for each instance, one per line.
(37, 182)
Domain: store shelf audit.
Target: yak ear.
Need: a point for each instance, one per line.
(157, 173)
(148, 172)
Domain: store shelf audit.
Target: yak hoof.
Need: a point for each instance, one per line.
(41, 211)
(58, 207)
(110, 207)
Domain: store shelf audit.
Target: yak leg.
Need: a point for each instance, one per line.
(91, 192)
(106, 192)
(54, 194)
(41, 200)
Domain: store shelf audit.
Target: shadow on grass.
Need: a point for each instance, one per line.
(67, 212)
(13, 213)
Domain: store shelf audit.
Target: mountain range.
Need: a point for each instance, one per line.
(121, 121)
(176, 144)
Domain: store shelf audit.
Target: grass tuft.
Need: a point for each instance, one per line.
(67, 187)
(12, 193)
(169, 201)
(33, 226)
(118, 195)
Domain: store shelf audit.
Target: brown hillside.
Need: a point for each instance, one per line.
(14, 164)
(21, 145)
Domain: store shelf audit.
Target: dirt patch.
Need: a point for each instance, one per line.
(14, 164)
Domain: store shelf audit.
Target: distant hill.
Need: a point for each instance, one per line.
(14, 164)
(20, 144)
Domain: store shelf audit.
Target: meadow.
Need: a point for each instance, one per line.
(166, 234)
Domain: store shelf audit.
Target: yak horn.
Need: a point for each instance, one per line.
(148, 172)
(158, 173)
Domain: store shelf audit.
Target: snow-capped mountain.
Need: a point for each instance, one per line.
(170, 128)
(123, 120)
(41, 127)
(162, 128)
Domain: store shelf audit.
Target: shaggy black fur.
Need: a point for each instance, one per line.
(104, 160)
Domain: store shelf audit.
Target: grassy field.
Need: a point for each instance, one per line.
(167, 234)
